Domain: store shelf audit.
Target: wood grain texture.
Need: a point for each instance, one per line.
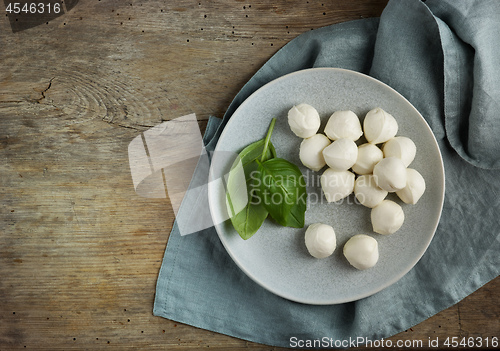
(79, 250)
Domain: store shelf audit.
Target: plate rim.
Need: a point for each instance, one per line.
(390, 282)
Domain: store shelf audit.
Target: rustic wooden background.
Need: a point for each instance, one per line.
(79, 250)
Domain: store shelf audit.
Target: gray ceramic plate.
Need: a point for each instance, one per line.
(276, 257)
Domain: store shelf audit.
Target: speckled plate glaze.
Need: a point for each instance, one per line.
(276, 257)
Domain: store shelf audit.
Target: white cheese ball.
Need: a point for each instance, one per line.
(390, 174)
(337, 185)
(343, 124)
(320, 240)
(400, 147)
(387, 217)
(361, 251)
(367, 192)
(311, 151)
(414, 189)
(379, 126)
(304, 120)
(368, 156)
(341, 154)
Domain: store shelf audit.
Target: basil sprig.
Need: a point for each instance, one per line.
(274, 187)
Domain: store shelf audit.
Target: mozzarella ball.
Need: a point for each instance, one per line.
(387, 217)
(400, 147)
(343, 124)
(368, 156)
(311, 151)
(320, 240)
(361, 251)
(379, 126)
(341, 154)
(337, 185)
(414, 189)
(304, 120)
(367, 192)
(390, 174)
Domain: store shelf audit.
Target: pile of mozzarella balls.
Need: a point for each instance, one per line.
(371, 170)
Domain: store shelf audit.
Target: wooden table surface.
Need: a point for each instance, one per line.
(79, 250)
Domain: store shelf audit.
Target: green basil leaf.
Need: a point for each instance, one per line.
(254, 151)
(246, 211)
(283, 192)
(248, 221)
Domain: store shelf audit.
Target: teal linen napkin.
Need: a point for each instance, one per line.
(441, 55)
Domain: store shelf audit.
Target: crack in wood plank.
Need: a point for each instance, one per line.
(460, 328)
(39, 101)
